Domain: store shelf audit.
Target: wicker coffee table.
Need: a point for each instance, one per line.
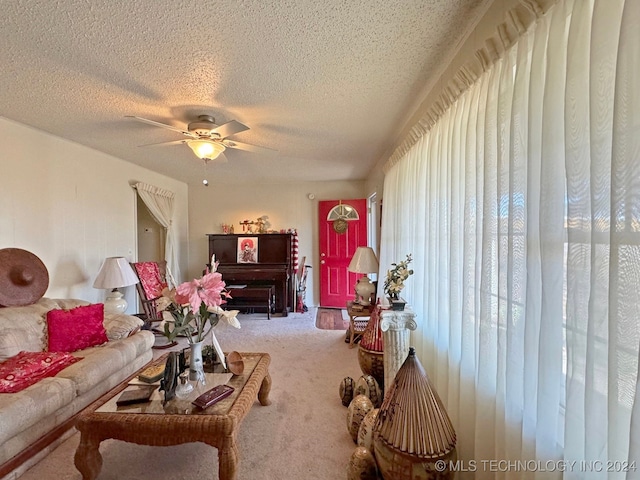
(176, 422)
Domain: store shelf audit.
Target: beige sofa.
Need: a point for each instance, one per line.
(35, 416)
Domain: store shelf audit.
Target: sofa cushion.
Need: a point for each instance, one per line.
(69, 303)
(75, 329)
(31, 319)
(101, 362)
(19, 411)
(27, 368)
(119, 325)
(16, 340)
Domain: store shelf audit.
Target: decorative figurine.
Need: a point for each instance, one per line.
(262, 224)
(246, 226)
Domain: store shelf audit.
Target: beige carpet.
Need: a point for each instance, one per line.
(301, 435)
(331, 319)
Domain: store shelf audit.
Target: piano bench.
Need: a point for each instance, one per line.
(251, 297)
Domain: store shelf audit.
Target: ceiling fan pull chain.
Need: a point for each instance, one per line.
(205, 182)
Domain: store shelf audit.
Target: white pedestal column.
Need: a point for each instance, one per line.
(395, 325)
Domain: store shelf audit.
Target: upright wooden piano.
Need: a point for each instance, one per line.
(273, 264)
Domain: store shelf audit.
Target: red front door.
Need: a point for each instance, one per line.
(337, 246)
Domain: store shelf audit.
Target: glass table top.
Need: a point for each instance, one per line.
(183, 406)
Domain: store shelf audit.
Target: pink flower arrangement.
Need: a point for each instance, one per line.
(208, 290)
(196, 307)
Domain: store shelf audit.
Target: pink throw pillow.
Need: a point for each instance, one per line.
(27, 368)
(75, 329)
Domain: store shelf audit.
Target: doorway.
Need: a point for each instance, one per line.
(151, 235)
(342, 227)
(373, 226)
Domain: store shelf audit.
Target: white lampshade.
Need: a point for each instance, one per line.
(114, 273)
(206, 149)
(364, 261)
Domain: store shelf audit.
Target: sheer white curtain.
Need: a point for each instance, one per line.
(160, 204)
(520, 204)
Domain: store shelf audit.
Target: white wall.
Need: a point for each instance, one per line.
(72, 207)
(287, 205)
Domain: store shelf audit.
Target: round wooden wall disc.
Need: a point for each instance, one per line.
(23, 277)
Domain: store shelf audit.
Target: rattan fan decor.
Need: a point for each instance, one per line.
(413, 431)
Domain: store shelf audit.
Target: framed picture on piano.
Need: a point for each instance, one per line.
(248, 250)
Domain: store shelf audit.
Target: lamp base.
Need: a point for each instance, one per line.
(364, 290)
(115, 303)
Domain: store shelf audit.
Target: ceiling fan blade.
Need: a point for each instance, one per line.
(174, 142)
(158, 124)
(229, 128)
(245, 146)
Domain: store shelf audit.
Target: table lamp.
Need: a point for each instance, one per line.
(114, 273)
(364, 261)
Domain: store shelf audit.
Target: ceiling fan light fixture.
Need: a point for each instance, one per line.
(206, 149)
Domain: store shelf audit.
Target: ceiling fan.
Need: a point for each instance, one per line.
(205, 138)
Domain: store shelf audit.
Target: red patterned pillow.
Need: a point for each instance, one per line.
(75, 329)
(27, 368)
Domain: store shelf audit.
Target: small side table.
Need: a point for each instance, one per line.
(358, 319)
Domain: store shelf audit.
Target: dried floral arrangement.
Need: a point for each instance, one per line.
(396, 276)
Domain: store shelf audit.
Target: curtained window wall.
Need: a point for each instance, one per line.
(519, 197)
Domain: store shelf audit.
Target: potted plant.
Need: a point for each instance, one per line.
(394, 283)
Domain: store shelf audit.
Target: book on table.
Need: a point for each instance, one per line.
(138, 394)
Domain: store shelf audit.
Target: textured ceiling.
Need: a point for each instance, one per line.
(325, 85)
